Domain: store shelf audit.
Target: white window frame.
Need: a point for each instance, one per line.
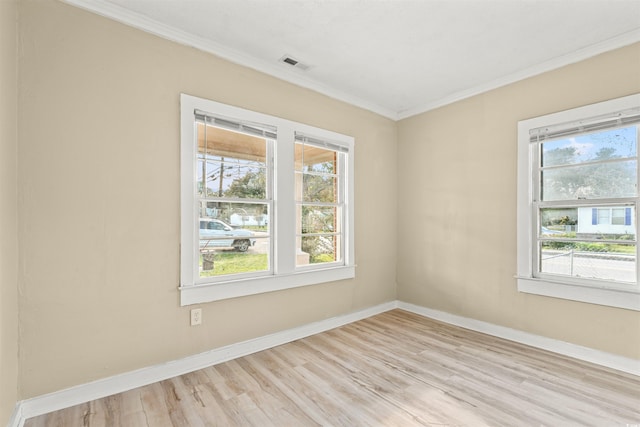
(339, 202)
(570, 288)
(284, 274)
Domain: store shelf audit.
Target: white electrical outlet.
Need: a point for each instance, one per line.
(196, 316)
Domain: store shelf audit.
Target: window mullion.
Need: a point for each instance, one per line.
(342, 167)
(534, 150)
(285, 206)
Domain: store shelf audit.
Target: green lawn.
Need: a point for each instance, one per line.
(230, 262)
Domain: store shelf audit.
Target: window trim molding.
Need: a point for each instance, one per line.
(569, 289)
(285, 275)
(250, 286)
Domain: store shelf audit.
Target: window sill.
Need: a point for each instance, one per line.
(237, 288)
(629, 300)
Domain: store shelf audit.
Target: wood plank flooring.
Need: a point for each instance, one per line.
(393, 369)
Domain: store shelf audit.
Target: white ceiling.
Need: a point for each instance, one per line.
(394, 57)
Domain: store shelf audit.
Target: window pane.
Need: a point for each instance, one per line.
(309, 158)
(215, 233)
(594, 147)
(592, 181)
(251, 216)
(223, 261)
(316, 174)
(238, 180)
(559, 222)
(589, 260)
(604, 216)
(618, 216)
(319, 188)
(221, 143)
(321, 249)
(319, 219)
(587, 223)
(232, 179)
(230, 164)
(233, 238)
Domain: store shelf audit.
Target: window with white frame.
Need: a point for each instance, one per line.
(611, 216)
(266, 203)
(319, 177)
(578, 203)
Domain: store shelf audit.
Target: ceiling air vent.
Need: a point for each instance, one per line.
(294, 62)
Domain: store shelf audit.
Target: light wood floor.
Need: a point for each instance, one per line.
(394, 369)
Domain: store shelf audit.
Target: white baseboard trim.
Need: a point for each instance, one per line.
(119, 383)
(16, 420)
(620, 363)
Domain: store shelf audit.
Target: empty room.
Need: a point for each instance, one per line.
(319, 213)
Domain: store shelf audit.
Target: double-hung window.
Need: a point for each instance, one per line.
(320, 200)
(266, 203)
(578, 204)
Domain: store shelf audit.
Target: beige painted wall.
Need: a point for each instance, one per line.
(99, 181)
(457, 206)
(8, 210)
